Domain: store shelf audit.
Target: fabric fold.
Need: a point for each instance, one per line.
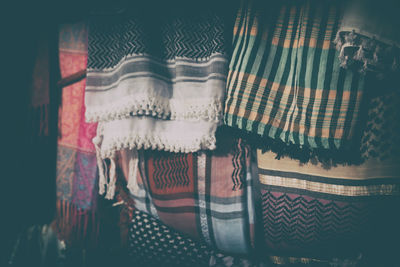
(285, 83)
(155, 84)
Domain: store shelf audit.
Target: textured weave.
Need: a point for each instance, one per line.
(285, 80)
(154, 78)
(323, 211)
(77, 173)
(154, 82)
(201, 193)
(151, 243)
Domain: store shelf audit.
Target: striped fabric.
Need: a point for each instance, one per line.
(206, 195)
(311, 211)
(285, 80)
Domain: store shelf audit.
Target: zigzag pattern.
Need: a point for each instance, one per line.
(239, 164)
(194, 38)
(298, 221)
(171, 170)
(111, 40)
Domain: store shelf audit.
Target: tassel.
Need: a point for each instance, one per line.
(133, 172)
(101, 165)
(113, 180)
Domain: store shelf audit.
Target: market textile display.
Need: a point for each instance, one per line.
(368, 36)
(200, 193)
(339, 210)
(305, 169)
(154, 82)
(285, 82)
(77, 174)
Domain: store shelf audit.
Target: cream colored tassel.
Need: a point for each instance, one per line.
(100, 165)
(113, 180)
(133, 172)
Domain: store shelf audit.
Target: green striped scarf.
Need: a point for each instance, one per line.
(285, 81)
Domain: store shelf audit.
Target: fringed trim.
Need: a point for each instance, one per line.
(149, 106)
(133, 172)
(74, 225)
(197, 110)
(206, 142)
(366, 54)
(347, 155)
(104, 173)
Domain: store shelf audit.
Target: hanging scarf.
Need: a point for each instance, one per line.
(369, 36)
(321, 211)
(154, 82)
(285, 83)
(77, 172)
(199, 193)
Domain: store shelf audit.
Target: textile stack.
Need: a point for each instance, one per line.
(254, 133)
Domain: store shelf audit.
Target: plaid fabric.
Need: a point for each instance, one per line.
(206, 195)
(77, 172)
(285, 80)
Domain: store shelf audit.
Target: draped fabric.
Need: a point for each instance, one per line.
(154, 82)
(199, 194)
(325, 211)
(77, 173)
(368, 36)
(285, 83)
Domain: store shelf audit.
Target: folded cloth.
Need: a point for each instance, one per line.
(154, 82)
(77, 174)
(285, 82)
(199, 194)
(369, 36)
(342, 211)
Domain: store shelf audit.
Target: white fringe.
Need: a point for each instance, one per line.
(133, 172)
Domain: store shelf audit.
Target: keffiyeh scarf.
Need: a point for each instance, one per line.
(321, 211)
(199, 194)
(285, 82)
(154, 82)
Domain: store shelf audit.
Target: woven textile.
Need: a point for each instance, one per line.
(77, 172)
(323, 211)
(151, 79)
(285, 82)
(313, 212)
(200, 194)
(152, 243)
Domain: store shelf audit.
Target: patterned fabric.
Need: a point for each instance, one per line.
(77, 172)
(380, 139)
(285, 82)
(154, 82)
(312, 211)
(175, 69)
(368, 37)
(151, 243)
(200, 194)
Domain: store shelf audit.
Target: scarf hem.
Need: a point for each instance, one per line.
(192, 110)
(157, 142)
